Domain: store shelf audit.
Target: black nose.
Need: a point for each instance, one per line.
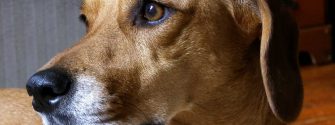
(48, 87)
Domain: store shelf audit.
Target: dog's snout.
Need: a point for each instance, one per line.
(47, 88)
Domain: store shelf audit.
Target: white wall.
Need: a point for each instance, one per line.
(31, 32)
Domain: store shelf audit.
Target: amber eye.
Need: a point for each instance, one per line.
(153, 11)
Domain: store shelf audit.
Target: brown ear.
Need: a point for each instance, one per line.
(278, 58)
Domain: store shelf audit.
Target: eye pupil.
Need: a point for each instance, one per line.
(153, 11)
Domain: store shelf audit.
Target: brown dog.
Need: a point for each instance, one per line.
(175, 62)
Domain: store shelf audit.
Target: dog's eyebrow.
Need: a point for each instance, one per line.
(178, 4)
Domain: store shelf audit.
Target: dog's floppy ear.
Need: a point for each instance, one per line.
(278, 52)
(278, 59)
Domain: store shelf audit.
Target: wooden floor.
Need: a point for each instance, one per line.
(319, 102)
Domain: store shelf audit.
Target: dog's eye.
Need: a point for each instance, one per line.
(153, 11)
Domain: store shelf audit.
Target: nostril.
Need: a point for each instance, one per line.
(49, 93)
(47, 87)
(29, 90)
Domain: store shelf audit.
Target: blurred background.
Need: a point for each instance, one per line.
(31, 32)
(316, 19)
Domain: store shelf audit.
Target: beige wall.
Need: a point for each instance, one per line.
(31, 32)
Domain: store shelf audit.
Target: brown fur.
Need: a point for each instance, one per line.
(202, 66)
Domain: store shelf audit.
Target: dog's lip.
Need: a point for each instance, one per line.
(59, 117)
(37, 107)
(73, 120)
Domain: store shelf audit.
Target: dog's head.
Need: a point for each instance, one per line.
(174, 62)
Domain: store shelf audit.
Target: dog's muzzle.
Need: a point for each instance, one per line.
(61, 98)
(48, 88)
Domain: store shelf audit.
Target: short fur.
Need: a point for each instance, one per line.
(212, 62)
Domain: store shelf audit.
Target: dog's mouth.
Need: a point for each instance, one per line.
(71, 117)
(61, 119)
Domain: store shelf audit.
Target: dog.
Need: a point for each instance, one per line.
(185, 62)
